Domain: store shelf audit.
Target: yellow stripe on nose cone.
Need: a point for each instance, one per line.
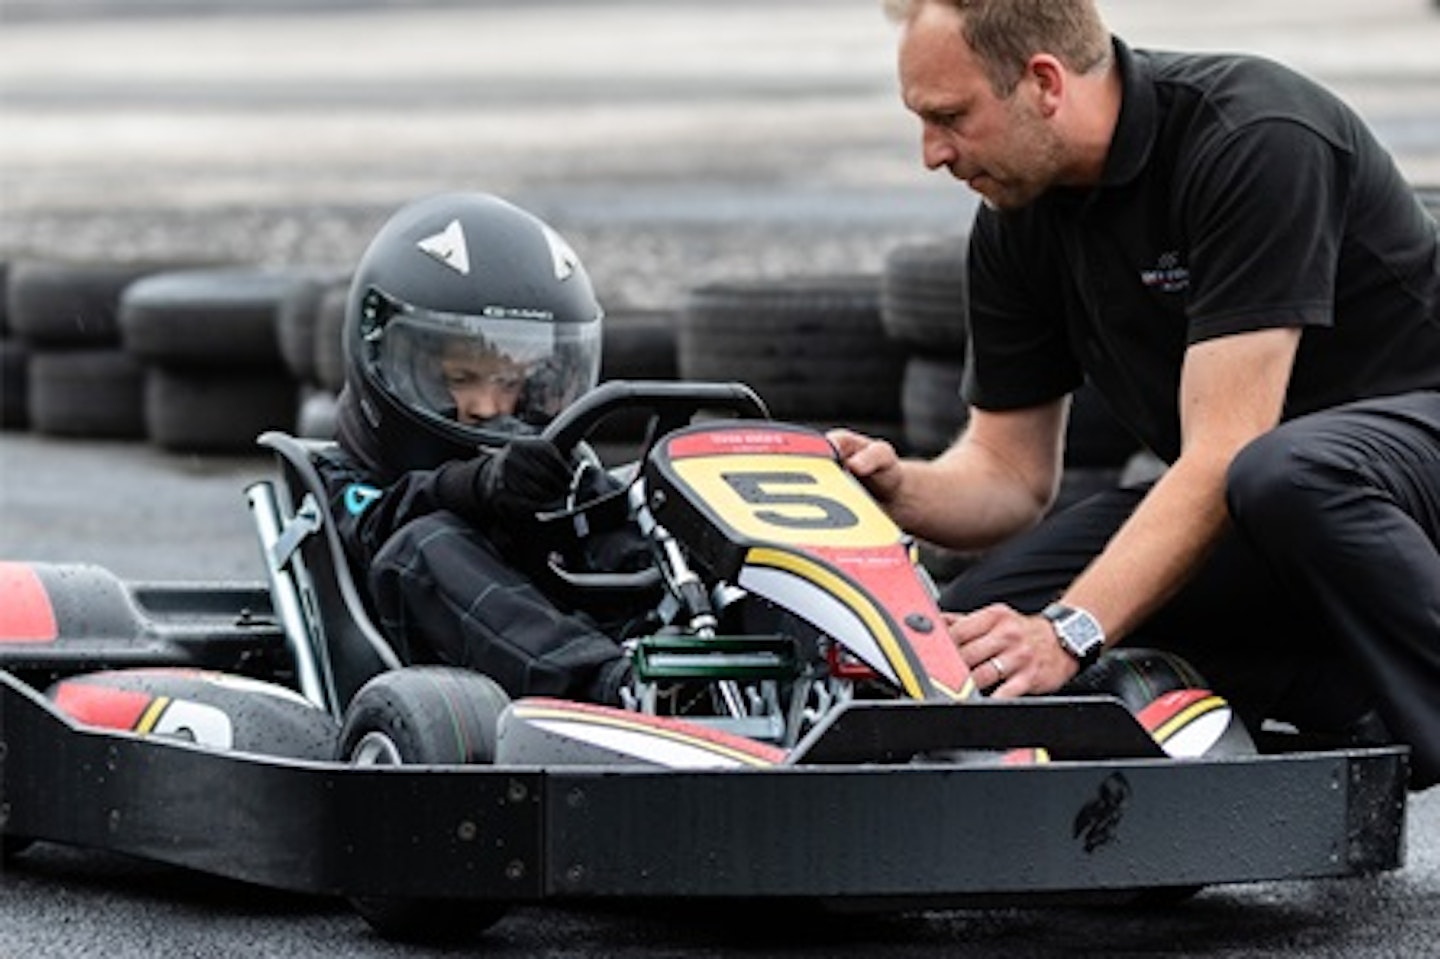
(855, 600)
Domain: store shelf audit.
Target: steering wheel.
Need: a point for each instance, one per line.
(670, 404)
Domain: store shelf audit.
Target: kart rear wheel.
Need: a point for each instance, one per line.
(13, 846)
(424, 715)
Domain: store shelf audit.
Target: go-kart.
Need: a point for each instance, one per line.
(798, 728)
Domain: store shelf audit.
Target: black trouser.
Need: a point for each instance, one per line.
(1323, 600)
(443, 593)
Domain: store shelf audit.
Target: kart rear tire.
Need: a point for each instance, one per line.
(424, 715)
(11, 846)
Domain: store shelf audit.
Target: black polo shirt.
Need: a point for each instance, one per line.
(1238, 195)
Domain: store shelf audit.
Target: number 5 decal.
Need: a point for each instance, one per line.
(800, 500)
(803, 509)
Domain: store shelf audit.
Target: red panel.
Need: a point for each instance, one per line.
(26, 615)
(731, 440)
(103, 706)
(1169, 705)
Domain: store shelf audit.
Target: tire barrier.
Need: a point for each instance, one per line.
(638, 344)
(934, 411)
(329, 347)
(925, 297)
(215, 374)
(55, 308)
(62, 305)
(14, 384)
(814, 348)
(307, 330)
(297, 323)
(14, 365)
(96, 392)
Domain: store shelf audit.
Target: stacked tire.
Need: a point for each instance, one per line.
(925, 309)
(213, 375)
(14, 362)
(638, 344)
(813, 348)
(78, 378)
(309, 321)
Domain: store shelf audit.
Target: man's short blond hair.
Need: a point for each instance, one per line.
(1005, 34)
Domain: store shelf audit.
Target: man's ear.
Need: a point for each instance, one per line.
(1047, 76)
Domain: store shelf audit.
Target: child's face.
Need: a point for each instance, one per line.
(483, 385)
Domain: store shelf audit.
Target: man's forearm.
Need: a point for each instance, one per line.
(1155, 552)
(959, 502)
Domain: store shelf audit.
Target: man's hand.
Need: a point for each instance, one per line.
(873, 462)
(525, 476)
(1010, 654)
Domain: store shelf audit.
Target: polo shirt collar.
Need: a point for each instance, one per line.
(1138, 124)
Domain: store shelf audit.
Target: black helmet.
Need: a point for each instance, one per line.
(463, 292)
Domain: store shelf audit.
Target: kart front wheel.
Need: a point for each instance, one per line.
(424, 715)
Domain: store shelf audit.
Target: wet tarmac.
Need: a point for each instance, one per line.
(674, 142)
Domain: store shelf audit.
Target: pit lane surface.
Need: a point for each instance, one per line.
(674, 142)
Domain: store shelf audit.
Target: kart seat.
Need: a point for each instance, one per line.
(336, 646)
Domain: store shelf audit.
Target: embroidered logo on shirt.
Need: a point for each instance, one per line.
(1168, 275)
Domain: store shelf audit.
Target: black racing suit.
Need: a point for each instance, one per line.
(443, 590)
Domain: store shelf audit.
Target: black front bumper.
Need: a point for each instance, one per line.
(883, 835)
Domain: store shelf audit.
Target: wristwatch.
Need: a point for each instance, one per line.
(1079, 632)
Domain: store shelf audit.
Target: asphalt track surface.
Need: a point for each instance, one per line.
(674, 142)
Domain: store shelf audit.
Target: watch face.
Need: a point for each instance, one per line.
(1081, 631)
(1077, 630)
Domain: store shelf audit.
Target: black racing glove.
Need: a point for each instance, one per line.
(525, 476)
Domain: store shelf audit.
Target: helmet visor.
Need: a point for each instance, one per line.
(497, 373)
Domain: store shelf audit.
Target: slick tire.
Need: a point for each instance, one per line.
(424, 715)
